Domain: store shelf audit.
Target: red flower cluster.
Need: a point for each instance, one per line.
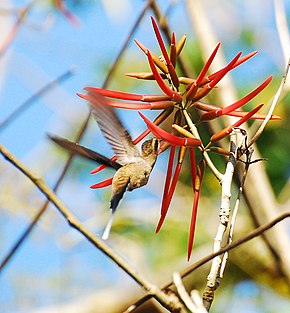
(177, 99)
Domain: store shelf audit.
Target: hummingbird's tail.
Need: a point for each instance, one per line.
(107, 230)
(113, 206)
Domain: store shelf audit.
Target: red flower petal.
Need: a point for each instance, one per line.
(160, 40)
(207, 88)
(196, 187)
(173, 140)
(192, 223)
(192, 90)
(102, 184)
(165, 205)
(236, 105)
(115, 94)
(168, 91)
(226, 131)
(210, 107)
(239, 62)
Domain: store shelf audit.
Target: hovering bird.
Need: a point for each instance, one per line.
(132, 167)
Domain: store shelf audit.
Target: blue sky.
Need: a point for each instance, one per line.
(38, 56)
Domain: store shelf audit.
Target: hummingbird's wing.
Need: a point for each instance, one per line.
(113, 130)
(82, 151)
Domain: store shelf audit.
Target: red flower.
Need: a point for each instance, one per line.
(173, 100)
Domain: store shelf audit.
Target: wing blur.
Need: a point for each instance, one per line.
(82, 151)
(113, 130)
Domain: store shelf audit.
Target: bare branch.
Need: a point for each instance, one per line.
(193, 303)
(214, 275)
(255, 233)
(159, 295)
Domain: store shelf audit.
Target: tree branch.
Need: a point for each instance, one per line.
(168, 301)
(253, 234)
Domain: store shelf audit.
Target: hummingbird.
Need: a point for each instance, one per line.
(132, 167)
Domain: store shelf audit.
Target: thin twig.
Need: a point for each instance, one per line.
(253, 234)
(273, 105)
(15, 28)
(151, 289)
(183, 293)
(40, 93)
(194, 303)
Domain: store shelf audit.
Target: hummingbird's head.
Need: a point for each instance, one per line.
(150, 147)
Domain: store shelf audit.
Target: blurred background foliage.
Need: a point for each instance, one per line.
(56, 270)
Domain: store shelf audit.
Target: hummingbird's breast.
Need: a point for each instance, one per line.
(134, 175)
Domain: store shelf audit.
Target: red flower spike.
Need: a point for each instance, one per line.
(247, 116)
(160, 40)
(173, 39)
(255, 116)
(226, 131)
(173, 75)
(207, 64)
(174, 182)
(247, 98)
(172, 52)
(169, 65)
(164, 206)
(155, 58)
(207, 88)
(169, 92)
(128, 105)
(180, 44)
(197, 186)
(123, 105)
(192, 223)
(102, 184)
(239, 62)
(193, 165)
(157, 105)
(173, 140)
(224, 71)
(213, 114)
(210, 107)
(168, 197)
(115, 94)
(152, 98)
(193, 89)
